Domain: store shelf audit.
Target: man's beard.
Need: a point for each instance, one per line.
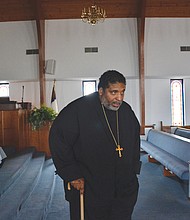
(110, 106)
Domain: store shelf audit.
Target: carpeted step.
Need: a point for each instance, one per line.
(39, 201)
(59, 207)
(9, 150)
(14, 200)
(12, 168)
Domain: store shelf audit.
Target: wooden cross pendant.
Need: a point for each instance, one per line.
(119, 149)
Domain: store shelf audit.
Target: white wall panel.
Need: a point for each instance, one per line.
(163, 38)
(157, 102)
(15, 39)
(116, 40)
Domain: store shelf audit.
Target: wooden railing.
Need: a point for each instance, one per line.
(168, 128)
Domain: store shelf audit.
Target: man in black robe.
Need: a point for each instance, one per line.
(94, 142)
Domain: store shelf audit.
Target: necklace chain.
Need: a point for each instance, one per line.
(117, 125)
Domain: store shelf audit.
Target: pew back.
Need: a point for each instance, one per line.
(171, 143)
(183, 132)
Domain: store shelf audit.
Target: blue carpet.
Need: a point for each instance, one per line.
(14, 199)
(37, 205)
(37, 193)
(13, 167)
(160, 197)
(60, 207)
(9, 150)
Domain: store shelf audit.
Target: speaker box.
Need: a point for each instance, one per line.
(50, 67)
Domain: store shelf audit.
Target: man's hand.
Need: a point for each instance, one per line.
(78, 184)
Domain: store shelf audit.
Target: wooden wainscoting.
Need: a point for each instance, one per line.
(13, 130)
(16, 131)
(39, 138)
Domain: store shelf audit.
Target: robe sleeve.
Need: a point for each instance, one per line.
(137, 162)
(62, 138)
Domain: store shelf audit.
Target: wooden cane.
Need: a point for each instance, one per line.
(81, 202)
(81, 206)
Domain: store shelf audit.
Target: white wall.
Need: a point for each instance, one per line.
(116, 40)
(117, 43)
(132, 95)
(157, 105)
(15, 39)
(164, 61)
(31, 92)
(66, 91)
(163, 38)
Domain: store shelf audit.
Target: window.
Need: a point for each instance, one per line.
(4, 89)
(88, 87)
(177, 102)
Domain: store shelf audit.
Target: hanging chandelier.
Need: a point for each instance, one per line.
(93, 15)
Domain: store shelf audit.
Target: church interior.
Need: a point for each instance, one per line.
(48, 49)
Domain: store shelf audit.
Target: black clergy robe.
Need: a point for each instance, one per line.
(82, 146)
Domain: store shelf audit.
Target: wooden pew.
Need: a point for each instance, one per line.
(168, 128)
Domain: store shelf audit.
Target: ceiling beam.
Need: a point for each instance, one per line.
(40, 24)
(22, 10)
(141, 31)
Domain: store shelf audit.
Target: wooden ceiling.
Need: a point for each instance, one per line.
(23, 10)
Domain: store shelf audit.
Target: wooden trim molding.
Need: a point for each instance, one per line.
(40, 24)
(141, 31)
